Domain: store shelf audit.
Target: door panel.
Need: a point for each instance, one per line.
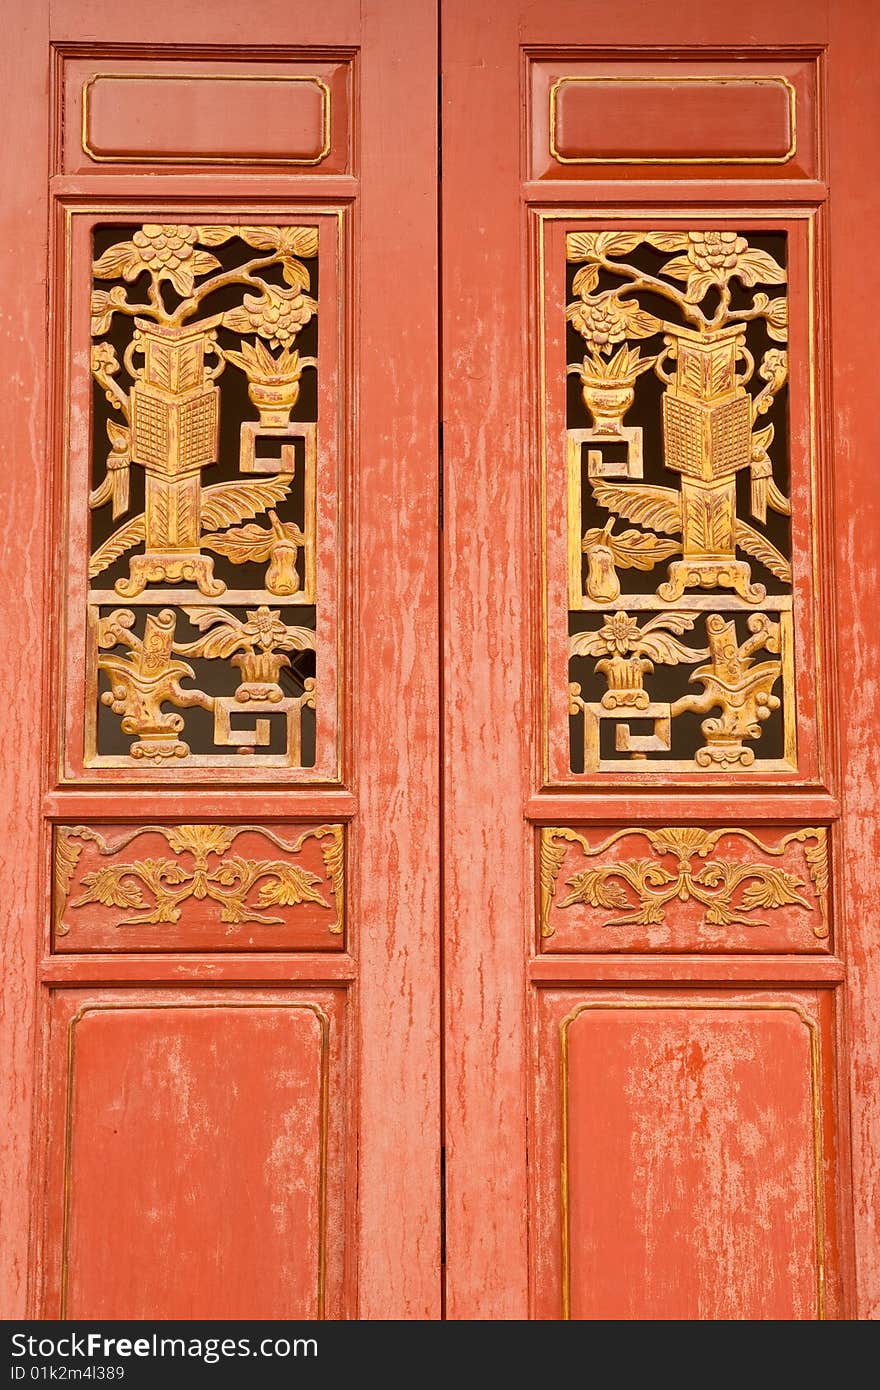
(642, 806)
(222, 910)
(209, 1132)
(683, 1154)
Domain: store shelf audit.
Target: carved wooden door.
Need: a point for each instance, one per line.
(227, 1009)
(220, 1007)
(660, 522)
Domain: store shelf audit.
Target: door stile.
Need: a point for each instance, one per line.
(488, 619)
(853, 215)
(25, 571)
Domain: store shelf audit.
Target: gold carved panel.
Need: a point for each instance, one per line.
(684, 888)
(179, 887)
(679, 511)
(202, 611)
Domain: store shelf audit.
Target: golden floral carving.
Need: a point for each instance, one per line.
(152, 890)
(639, 890)
(712, 430)
(162, 386)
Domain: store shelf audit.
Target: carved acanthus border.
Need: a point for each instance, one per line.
(729, 890)
(152, 890)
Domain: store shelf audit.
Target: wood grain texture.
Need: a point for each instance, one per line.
(686, 1161)
(855, 210)
(488, 488)
(24, 68)
(396, 873)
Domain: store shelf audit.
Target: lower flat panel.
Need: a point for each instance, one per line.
(686, 1149)
(195, 1146)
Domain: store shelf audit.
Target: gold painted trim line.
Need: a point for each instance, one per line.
(324, 1113)
(205, 77)
(739, 80)
(812, 1027)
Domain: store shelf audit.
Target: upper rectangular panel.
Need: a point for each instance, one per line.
(250, 114)
(744, 117)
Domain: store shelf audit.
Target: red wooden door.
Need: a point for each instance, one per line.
(220, 1007)
(659, 803)
(225, 810)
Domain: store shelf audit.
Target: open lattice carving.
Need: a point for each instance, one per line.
(202, 610)
(678, 434)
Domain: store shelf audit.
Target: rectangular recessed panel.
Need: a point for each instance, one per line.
(195, 1161)
(690, 1161)
(684, 888)
(150, 117)
(655, 119)
(743, 114)
(198, 887)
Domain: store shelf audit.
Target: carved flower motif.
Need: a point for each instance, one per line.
(277, 315)
(167, 251)
(682, 841)
(104, 359)
(200, 840)
(620, 633)
(264, 627)
(715, 252)
(165, 245)
(607, 319)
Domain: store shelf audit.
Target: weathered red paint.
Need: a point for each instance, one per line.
(505, 999)
(710, 1152)
(210, 1041)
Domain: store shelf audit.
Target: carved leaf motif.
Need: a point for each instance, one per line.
(777, 320)
(761, 549)
(224, 504)
(291, 241)
(756, 267)
(587, 644)
(224, 638)
(243, 544)
(668, 241)
(202, 262)
(103, 305)
(668, 651)
(772, 887)
(295, 273)
(122, 259)
(596, 888)
(289, 885)
(680, 267)
(333, 855)
(639, 550)
(657, 507)
(216, 236)
(67, 855)
(682, 841)
(552, 854)
(128, 535)
(586, 280)
(583, 246)
(109, 887)
(673, 621)
(816, 856)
